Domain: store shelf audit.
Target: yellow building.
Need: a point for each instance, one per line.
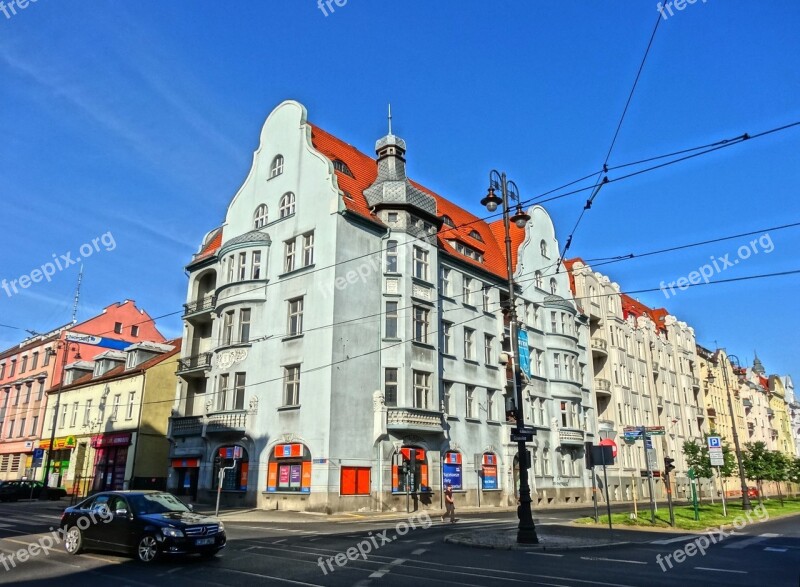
(113, 413)
(780, 417)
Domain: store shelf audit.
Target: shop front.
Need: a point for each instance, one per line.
(59, 460)
(110, 461)
(289, 469)
(187, 471)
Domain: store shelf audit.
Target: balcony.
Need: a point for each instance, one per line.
(602, 387)
(751, 426)
(599, 348)
(199, 308)
(226, 422)
(712, 413)
(414, 419)
(606, 425)
(186, 426)
(770, 412)
(570, 437)
(747, 403)
(695, 383)
(195, 366)
(773, 432)
(700, 413)
(654, 366)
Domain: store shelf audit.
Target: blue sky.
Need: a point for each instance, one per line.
(141, 119)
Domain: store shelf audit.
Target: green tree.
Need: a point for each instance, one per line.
(757, 465)
(794, 470)
(698, 458)
(779, 469)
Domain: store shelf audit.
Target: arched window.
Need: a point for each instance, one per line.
(474, 234)
(538, 279)
(342, 167)
(553, 286)
(289, 469)
(543, 249)
(287, 205)
(260, 216)
(277, 166)
(452, 470)
(235, 478)
(489, 477)
(410, 470)
(448, 221)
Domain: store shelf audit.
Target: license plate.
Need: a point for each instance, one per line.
(204, 541)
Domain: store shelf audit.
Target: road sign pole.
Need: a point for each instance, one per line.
(668, 487)
(649, 476)
(722, 487)
(594, 495)
(605, 482)
(694, 500)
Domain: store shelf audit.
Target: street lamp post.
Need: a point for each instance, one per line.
(46, 482)
(746, 506)
(526, 531)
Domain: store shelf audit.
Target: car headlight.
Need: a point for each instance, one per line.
(172, 532)
(221, 527)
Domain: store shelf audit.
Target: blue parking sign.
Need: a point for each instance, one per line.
(714, 442)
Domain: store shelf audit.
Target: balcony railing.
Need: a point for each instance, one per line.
(414, 419)
(602, 386)
(600, 347)
(570, 437)
(695, 383)
(712, 412)
(747, 403)
(187, 426)
(202, 361)
(232, 421)
(202, 305)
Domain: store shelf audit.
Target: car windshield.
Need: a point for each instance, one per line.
(156, 503)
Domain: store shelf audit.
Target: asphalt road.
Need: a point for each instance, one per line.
(305, 554)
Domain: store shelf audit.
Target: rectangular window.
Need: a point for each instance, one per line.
(34, 426)
(390, 386)
(74, 418)
(391, 257)
(255, 271)
(448, 398)
(355, 481)
(16, 397)
(118, 327)
(23, 365)
(227, 328)
(115, 407)
(421, 324)
(391, 320)
(553, 322)
(222, 392)
(542, 414)
(563, 323)
(87, 413)
(469, 344)
(13, 367)
(445, 286)
(490, 405)
(447, 338)
(556, 367)
(28, 393)
(470, 397)
(488, 349)
(466, 291)
(568, 414)
(21, 428)
(40, 395)
(540, 362)
(242, 267)
(244, 325)
(10, 430)
(422, 390)
(238, 391)
(289, 255)
(2, 370)
(291, 385)
(420, 263)
(231, 269)
(134, 331)
(295, 317)
(64, 410)
(35, 362)
(131, 403)
(486, 298)
(308, 249)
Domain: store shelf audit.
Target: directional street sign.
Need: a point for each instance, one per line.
(521, 437)
(714, 442)
(524, 430)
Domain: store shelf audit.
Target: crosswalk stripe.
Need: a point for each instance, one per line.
(751, 541)
(671, 540)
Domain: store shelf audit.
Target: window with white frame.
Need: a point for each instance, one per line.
(467, 291)
(556, 366)
(73, 420)
(537, 279)
(231, 268)
(448, 398)
(390, 386)
(543, 249)
(277, 166)
(490, 405)
(553, 321)
(115, 406)
(286, 205)
(470, 399)
(447, 338)
(487, 298)
(553, 286)
(227, 328)
(547, 471)
(244, 325)
(308, 249)
(295, 317)
(131, 403)
(260, 216)
(391, 257)
(239, 383)
(469, 344)
(255, 271)
(446, 285)
(420, 263)
(241, 268)
(421, 324)
(540, 363)
(391, 318)
(291, 385)
(488, 349)
(422, 390)
(87, 413)
(289, 256)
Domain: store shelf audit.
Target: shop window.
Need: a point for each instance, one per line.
(452, 470)
(289, 469)
(489, 479)
(235, 460)
(355, 481)
(410, 471)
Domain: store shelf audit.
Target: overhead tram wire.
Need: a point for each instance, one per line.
(601, 182)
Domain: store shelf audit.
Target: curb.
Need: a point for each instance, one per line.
(459, 541)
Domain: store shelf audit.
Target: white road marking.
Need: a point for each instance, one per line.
(278, 541)
(419, 551)
(544, 554)
(671, 540)
(720, 570)
(381, 572)
(282, 580)
(750, 541)
(612, 560)
(771, 549)
(427, 542)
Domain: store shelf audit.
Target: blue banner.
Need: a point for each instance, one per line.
(107, 343)
(452, 475)
(524, 353)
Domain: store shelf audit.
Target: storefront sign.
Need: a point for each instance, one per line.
(185, 463)
(285, 451)
(489, 472)
(108, 343)
(60, 443)
(452, 475)
(119, 439)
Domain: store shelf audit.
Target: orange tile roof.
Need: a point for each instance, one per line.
(365, 170)
(212, 247)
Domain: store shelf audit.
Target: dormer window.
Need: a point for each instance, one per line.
(287, 205)
(277, 166)
(467, 251)
(260, 216)
(342, 167)
(448, 221)
(474, 234)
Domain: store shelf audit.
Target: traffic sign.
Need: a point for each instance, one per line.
(717, 459)
(38, 453)
(652, 459)
(521, 437)
(524, 430)
(714, 442)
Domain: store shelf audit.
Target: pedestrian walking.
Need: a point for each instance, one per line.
(449, 504)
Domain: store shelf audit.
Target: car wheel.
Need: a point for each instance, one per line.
(73, 540)
(147, 549)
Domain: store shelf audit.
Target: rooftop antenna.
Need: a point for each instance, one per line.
(77, 297)
(390, 118)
